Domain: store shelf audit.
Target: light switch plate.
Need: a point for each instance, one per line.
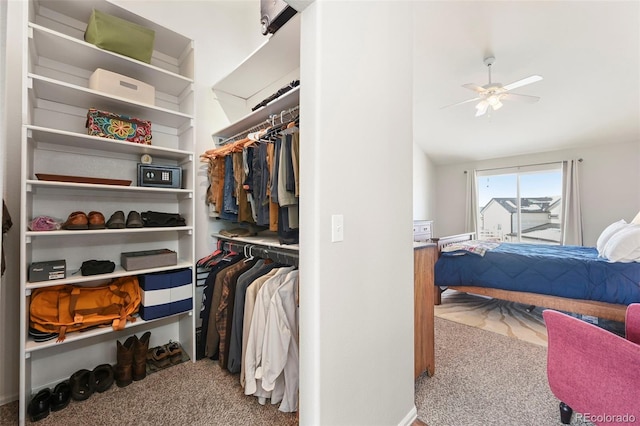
(337, 228)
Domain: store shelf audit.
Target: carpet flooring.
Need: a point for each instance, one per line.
(199, 393)
(489, 380)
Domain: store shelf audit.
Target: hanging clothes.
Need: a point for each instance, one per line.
(261, 185)
(280, 356)
(242, 202)
(260, 269)
(211, 300)
(273, 203)
(295, 157)
(247, 178)
(253, 357)
(224, 311)
(215, 192)
(247, 163)
(6, 225)
(249, 306)
(252, 322)
(229, 209)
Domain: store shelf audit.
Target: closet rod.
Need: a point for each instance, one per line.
(290, 112)
(271, 121)
(243, 134)
(288, 257)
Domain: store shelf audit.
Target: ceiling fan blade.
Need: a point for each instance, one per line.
(460, 103)
(474, 87)
(523, 82)
(522, 98)
(481, 108)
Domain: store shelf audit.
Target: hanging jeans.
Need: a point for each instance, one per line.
(229, 210)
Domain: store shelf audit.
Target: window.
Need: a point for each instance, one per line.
(521, 204)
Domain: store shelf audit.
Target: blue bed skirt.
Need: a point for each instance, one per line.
(574, 272)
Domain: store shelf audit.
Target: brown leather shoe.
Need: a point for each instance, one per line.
(76, 220)
(158, 357)
(175, 352)
(96, 220)
(140, 348)
(124, 367)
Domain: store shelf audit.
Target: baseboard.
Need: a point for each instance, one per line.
(6, 399)
(410, 417)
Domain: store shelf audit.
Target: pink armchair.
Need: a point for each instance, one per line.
(593, 371)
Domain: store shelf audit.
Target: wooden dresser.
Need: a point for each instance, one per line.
(424, 258)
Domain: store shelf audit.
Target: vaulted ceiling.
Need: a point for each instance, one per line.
(588, 53)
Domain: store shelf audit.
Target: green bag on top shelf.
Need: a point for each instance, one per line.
(120, 36)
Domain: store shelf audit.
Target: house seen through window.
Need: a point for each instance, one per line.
(522, 204)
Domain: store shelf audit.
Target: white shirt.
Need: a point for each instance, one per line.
(253, 357)
(280, 356)
(249, 304)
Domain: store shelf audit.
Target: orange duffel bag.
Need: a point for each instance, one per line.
(65, 308)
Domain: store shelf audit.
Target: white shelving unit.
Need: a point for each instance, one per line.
(57, 65)
(277, 57)
(272, 66)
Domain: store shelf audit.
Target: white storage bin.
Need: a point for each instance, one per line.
(120, 85)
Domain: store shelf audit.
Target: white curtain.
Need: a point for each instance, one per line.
(471, 207)
(571, 211)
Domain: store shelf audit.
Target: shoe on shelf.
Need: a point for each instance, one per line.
(140, 349)
(40, 405)
(124, 367)
(104, 377)
(159, 357)
(41, 336)
(116, 221)
(83, 384)
(76, 220)
(96, 220)
(60, 396)
(134, 220)
(175, 352)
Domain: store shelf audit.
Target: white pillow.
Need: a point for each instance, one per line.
(624, 246)
(608, 232)
(636, 220)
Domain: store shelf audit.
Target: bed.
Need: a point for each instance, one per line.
(567, 278)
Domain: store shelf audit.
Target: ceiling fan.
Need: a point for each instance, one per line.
(492, 94)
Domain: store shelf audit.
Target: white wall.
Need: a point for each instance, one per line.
(356, 296)
(424, 186)
(609, 186)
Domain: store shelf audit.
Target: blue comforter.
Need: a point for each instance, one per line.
(567, 271)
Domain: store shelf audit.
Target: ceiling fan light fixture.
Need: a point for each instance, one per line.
(494, 100)
(492, 94)
(481, 108)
